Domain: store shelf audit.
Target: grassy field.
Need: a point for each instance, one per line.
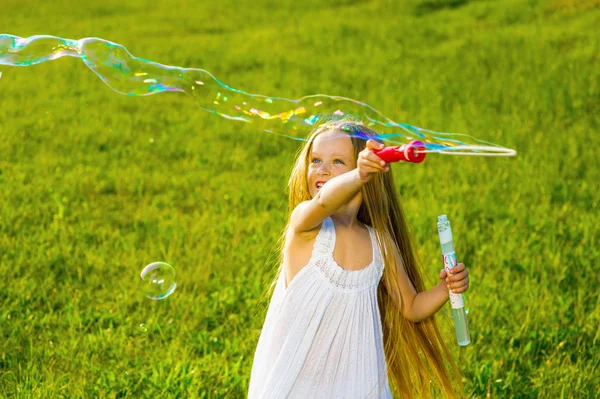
(96, 185)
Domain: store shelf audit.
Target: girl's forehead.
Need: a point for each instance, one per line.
(332, 141)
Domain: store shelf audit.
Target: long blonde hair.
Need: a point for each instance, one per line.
(415, 352)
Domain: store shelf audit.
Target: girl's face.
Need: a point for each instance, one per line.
(332, 155)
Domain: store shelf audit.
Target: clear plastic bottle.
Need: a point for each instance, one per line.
(456, 300)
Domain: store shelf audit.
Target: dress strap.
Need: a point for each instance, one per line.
(377, 256)
(324, 243)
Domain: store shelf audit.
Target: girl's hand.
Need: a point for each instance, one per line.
(369, 163)
(458, 281)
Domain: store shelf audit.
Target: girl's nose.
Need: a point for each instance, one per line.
(323, 170)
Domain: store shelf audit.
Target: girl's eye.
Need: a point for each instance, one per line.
(315, 160)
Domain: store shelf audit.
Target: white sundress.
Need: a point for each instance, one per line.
(322, 336)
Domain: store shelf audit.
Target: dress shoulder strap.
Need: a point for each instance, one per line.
(377, 254)
(324, 242)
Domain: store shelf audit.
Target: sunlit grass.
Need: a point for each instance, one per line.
(95, 185)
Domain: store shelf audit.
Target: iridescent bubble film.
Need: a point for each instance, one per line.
(134, 76)
(158, 281)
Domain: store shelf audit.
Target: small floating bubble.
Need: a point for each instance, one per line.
(158, 280)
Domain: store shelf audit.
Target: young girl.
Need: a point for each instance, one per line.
(349, 306)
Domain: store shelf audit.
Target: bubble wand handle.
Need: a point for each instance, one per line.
(411, 152)
(456, 300)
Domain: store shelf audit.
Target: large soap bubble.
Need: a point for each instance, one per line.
(135, 76)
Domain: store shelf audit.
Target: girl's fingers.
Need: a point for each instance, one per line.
(371, 156)
(458, 280)
(458, 276)
(368, 152)
(460, 290)
(371, 159)
(458, 287)
(458, 284)
(374, 145)
(458, 268)
(364, 164)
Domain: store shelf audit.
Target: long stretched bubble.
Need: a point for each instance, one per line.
(134, 76)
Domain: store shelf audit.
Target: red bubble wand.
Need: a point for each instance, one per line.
(411, 152)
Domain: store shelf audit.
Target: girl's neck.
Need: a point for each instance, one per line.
(347, 215)
(346, 220)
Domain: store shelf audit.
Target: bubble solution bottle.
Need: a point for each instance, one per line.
(456, 300)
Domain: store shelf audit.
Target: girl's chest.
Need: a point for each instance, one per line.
(353, 251)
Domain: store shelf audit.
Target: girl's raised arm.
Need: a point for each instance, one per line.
(338, 191)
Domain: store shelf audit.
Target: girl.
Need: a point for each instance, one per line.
(349, 305)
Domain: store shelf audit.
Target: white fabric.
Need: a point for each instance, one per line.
(322, 337)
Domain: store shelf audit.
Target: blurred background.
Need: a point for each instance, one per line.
(95, 185)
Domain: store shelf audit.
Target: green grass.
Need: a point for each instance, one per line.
(95, 185)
